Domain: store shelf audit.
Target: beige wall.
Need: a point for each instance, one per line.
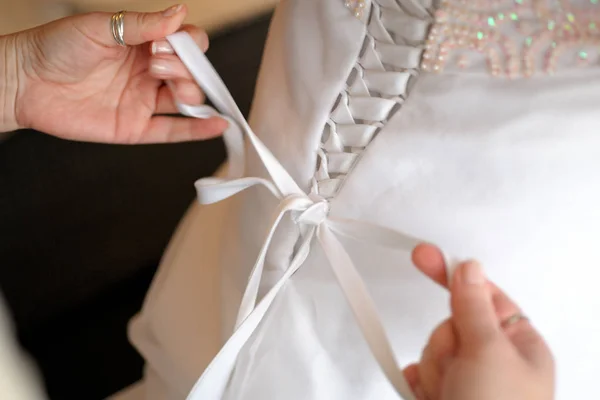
(211, 14)
(24, 14)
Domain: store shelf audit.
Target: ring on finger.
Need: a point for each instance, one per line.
(117, 27)
(513, 319)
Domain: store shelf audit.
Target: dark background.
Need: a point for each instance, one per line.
(83, 227)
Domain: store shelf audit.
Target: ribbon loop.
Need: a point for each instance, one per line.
(212, 190)
(209, 80)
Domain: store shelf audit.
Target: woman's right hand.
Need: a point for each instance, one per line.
(70, 78)
(483, 351)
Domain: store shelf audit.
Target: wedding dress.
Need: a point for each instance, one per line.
(473, 125)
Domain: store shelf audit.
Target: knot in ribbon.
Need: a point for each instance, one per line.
(316, 213)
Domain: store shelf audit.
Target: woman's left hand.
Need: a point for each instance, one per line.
(77, 83)
(486, 350)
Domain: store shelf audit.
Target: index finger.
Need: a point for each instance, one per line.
(430, 260)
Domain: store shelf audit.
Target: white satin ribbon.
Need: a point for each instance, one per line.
(310, 211)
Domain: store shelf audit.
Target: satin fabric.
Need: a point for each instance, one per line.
(503, 171)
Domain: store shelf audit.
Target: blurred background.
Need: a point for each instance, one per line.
(83, 226)
(214, 15)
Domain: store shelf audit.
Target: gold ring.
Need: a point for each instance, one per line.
(513, 319)
(117, 28)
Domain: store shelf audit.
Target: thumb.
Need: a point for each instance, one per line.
(473, 311)
(138, 27)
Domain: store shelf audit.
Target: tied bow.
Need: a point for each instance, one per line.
(311, 213)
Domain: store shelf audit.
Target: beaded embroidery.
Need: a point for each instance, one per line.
(356, 6)
(516, 38)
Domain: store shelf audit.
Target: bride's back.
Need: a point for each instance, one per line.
(473, 127)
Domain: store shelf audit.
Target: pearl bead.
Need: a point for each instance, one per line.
(357, 7)
(441, 16)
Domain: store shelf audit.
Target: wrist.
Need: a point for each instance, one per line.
(9, 82)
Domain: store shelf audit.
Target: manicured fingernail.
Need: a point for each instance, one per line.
(169, 12)
(160, 67)
(472, 273)
(161, 47)
(204, 43)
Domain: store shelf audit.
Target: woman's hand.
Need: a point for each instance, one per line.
(75, 82)
(480, 353)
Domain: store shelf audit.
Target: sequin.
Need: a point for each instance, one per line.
(516, 38)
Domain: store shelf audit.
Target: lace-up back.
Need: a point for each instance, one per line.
(380, 82)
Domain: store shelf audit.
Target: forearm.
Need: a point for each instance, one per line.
(9, 83)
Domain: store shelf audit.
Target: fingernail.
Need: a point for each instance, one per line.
(204, 43)
(161, 47)
(472, 273)
(160, 67)
(169, 12)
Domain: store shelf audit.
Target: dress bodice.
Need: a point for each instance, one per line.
(473, 127)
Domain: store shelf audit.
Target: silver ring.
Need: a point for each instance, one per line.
(117, 27)
(513, 319)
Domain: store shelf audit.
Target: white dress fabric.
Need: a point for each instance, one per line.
(395, 119)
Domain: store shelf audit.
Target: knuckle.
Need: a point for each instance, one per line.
(141, 23)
